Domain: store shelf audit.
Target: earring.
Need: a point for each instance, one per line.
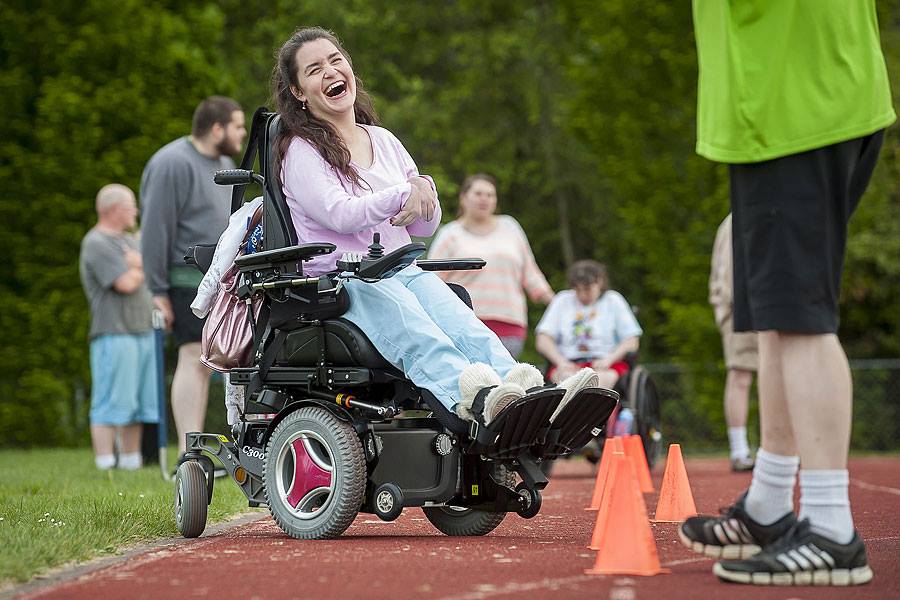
(303, 105)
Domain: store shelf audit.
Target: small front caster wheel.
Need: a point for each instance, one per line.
(387, 501)
(529, 501)
(191, 499)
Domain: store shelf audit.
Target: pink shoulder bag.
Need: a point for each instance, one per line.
(227, 340)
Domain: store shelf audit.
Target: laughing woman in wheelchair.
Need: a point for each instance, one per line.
(400, 338)
(345, 178)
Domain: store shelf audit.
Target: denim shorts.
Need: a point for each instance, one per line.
(123, 371)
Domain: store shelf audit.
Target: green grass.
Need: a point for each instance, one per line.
(56, 507)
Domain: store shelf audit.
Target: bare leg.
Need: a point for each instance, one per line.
(130, 438)
(776, 433)
(103, 438)
(608, 378)
(771, 493)
(820, 396)
(736, 401)
(190, 392)
(737, 397)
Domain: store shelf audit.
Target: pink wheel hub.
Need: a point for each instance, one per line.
(311, 478)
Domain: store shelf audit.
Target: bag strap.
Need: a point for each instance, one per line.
(259, 117)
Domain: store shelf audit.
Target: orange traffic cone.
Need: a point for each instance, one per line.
(627, 470)
(634, 448)
(622, 536)
(676, 502)
(602, 474)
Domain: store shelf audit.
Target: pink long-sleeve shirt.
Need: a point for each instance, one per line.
(327, 208)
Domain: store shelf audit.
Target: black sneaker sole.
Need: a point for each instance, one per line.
(833, 577)
(730, 551)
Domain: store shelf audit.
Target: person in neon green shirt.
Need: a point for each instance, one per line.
(794, 96)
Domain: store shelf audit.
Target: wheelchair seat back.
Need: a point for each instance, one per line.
(278, 227)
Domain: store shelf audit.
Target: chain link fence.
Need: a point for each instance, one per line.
(692, 414)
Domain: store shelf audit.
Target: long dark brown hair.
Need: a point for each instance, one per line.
(302, 123)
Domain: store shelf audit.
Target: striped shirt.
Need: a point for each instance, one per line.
(498, 290)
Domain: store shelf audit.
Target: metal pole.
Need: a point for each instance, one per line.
(162, 439)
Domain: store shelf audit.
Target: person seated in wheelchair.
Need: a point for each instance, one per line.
(345, 178)
(588, 325)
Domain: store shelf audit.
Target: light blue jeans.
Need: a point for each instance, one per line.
(421, 327)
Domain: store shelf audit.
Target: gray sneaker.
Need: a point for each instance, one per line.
(801, 557)
(733, 534)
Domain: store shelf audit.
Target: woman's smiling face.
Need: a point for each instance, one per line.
(326, 79)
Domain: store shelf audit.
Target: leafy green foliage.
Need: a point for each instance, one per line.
(584, 111)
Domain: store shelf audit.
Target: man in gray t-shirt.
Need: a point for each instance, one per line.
(182, 207)
(123, 379)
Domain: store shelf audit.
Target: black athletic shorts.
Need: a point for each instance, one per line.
(187, 328)
(790, 219)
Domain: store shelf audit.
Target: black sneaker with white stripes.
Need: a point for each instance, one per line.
(733, 534)
(801, 557)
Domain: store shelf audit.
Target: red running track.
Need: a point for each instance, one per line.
(546, 555)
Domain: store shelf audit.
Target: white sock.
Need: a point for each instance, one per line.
(130, 461)
(105, 461)
(737, 439)
(825, 501)
(771, 494)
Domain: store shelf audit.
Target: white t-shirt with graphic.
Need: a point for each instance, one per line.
(589, 332)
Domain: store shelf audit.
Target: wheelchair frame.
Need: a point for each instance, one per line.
(335, 435)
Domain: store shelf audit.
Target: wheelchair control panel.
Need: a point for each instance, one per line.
(376, 264)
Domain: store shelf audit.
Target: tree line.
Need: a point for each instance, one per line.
(584, 111)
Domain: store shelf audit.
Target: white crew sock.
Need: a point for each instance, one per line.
(825, 501)
(737, 440)
(771, 494)
(130, 461)
(105, 461)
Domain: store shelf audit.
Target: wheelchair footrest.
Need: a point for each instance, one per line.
(523, 423)
(582, 419)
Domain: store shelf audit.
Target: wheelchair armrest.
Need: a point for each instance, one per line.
(451, 264)
(200, 256)
(272, 258)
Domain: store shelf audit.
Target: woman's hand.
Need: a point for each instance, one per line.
(420, 204)
(429, 201)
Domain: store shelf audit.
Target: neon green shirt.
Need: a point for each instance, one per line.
(779, 77)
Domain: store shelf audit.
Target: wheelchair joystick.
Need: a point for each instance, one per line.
(376, 250)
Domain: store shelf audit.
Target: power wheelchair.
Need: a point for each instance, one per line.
(328, 428)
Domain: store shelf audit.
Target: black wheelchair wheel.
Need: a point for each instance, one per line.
(315, 474)
(387, 501)
(531, 501)
(459, 521)
(191, 499)
(647, 415)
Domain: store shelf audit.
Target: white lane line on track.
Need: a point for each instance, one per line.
(686, 561)
(489, 591)
(875, 488)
